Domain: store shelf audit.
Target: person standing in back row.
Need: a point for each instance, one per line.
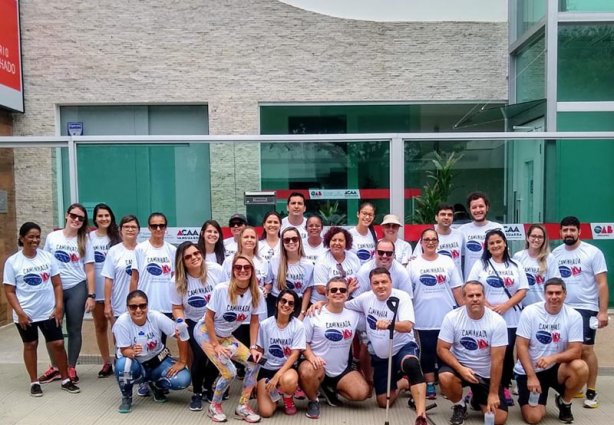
(296, 214)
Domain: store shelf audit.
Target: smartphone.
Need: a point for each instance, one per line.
(261, 362)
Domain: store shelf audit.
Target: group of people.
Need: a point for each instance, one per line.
(296, 312)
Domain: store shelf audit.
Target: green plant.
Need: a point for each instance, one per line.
(330, 214)
(438, 187)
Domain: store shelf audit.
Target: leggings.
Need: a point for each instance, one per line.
(508, 361)
(202, 370)
(74, 308)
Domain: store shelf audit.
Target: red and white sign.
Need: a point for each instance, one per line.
(11, 82)
(602, 230)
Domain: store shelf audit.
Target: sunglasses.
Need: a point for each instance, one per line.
(292, 239)
(242, 267)
(342, 272)
(134, 307)
(335, 290)
(158, 226)
(236, 224)
(77, 217)
(430, 240)
(284, 301)
(188, 257)
(383, 253)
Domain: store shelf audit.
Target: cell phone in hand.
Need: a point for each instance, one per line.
(261, 362)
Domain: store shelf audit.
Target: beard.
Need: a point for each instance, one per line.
(569, 241)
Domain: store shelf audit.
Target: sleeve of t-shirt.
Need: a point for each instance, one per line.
(8, 277)
(320, 273)
(308, 329)
(598, 263)
(166, 325)
(109, 265)
(355, 304)
(268, 277)
(89, 252)
(455, 278)
(216, 299)
(477, 268)
(499, 334)
(172, 253)
(298, 340)
(261, 309)
(406, 309)
(139, 259)
(446, 333)
(55, 267)
(122, 335)
(226, 266)
(173, 294)
(261, 336)
(553, 267)
(576, 327)
(524, 324)
(308, 267)
(47, 246)
(523, 282)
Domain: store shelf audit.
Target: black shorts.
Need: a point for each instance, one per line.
(265, 373)
(380, 367)
(479, 390)
(331, 382)
(587, 332)
(51, 331)
(548, 378)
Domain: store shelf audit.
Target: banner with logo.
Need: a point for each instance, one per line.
(334, 194)
(602, 230)
(11, 82)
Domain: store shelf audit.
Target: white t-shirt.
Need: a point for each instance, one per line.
(211, 258)
(450, 245)
(66, 252)
(330, 337)
(31, 278)
(230, 247)
(474, 237)
(302, 228)
(100, 245)
(313, 253)
(195, 300)
(299, 276)
(326, 268)
(127, 333)
(155, 267)
(261, 265)
(278, 343)
(265, 251)
(578, 269)
(472, 339)
(432, 282)
(548, 333)
(362, 245)
(374, 310)
(398, 274)
(536, 279)
(514, 279)
(118, 267)
(228, 317)
(402, 251)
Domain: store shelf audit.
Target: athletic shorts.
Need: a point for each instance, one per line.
(380, 367)
(51, 331)
(548, 378)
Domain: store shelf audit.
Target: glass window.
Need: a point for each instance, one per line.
(529, 12)
(586, 5)
(586, 62)
(530, 67)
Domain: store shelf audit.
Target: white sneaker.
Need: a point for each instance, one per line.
(591, 402)
(247, 414)
(216, 413)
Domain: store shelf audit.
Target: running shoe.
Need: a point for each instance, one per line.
(565, 415)
(70, 387)
(421, 420)
(459, 414)
(107, 370)
(313, 409)
(50, 375)
(126, 405)
(196, 404)
(289, 406)
(431, 393)
(508, 397)
(331, 396)
(143, 390)
(72, 374)
(243, 411)
(592, 399)
(216, 413)
(299, 394)
(36, 390)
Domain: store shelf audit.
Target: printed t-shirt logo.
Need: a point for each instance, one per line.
(33, 279)
(371, 321)
(363, 254)
(279, 351)
(99, 256)
(234, 317)
(197, 301)
(474, 246)
(62, 256)
(570, 271)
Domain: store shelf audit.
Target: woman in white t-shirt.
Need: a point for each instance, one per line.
(211, 243)
(314, 244)
(269, 239)
(539, 264)
(194, 283)
(103, 238)
(363, 235)
(230, 305)
(72, 248)
(402, 249)
(33, 289)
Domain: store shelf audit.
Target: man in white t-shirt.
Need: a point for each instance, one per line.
(474, 233)
(549, 347)
(237, 223)
(583, 268)
(471, 346)
(296, 214)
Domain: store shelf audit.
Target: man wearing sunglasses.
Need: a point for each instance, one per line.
(237, 223)
(329, 336)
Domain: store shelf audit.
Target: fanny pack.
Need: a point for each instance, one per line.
(157, 360)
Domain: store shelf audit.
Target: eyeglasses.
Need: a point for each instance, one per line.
(77, 217)
(342, 272)
(391, 226)
(430, 240)
(134, 307)
(366, 214)
(129, 227)
(293, 239)
(383, 253)
(157, 226)
(538, 237)
(335, 290)
(188, 257)
(242, 267)
(284, 301)
(236, 224)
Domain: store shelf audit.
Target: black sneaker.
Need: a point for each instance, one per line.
(70, 387)
(36, 390)
(107, 370)
(459, 414)
(331, 396)
(158, 394)
(126, 405)
(565, 414)
(313, 409)
(197, 403)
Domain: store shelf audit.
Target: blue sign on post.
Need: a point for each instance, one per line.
(75, 128)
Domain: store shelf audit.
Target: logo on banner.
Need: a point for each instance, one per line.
(334, 193)
(514, 232)
(603, 230)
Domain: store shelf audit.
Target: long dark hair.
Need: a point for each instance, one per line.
(113, 230)
(266, 216)
(296, 298)
(486, 255)
(218, 248)
(372, 225)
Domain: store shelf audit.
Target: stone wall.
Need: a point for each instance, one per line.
(8, 230)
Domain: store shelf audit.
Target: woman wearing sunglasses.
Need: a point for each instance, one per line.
(281, 339)
(210, 242)
(142, 356)
(194, 283)
(230, 305)
(73, 251)
(291, 270)
(269, 239)
(337, 261)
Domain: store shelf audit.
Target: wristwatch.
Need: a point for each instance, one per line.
(253, 347)
(92, 295)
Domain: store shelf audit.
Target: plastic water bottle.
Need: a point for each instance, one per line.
(233, 349)
(141, 340)
(182, 328)
(489, 418)
(534, 398)
(593, 322)
(275, 396)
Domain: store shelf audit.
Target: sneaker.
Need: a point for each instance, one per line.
(36, 390)
(299, 394)
(313, 409)
(72, 374)
(216, 413)
(70, 387)
(289, 407)
(508, 397)
(50, 375)
(459, 414)
(126, 405)
(331, 396)
(196, 404)
(431, 393)
(107, 370)
(592, 400)
(421, 420)
(158, 394)
(243, 411)
(143, 390)
(565, 415)
(579, 394)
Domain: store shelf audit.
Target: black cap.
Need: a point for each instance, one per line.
(237, 217)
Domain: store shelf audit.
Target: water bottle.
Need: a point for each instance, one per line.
(141, 340)
(593, 322)
(182, 328)
(533, 398)
(489, 418)
(233, 349)
(275, 396)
